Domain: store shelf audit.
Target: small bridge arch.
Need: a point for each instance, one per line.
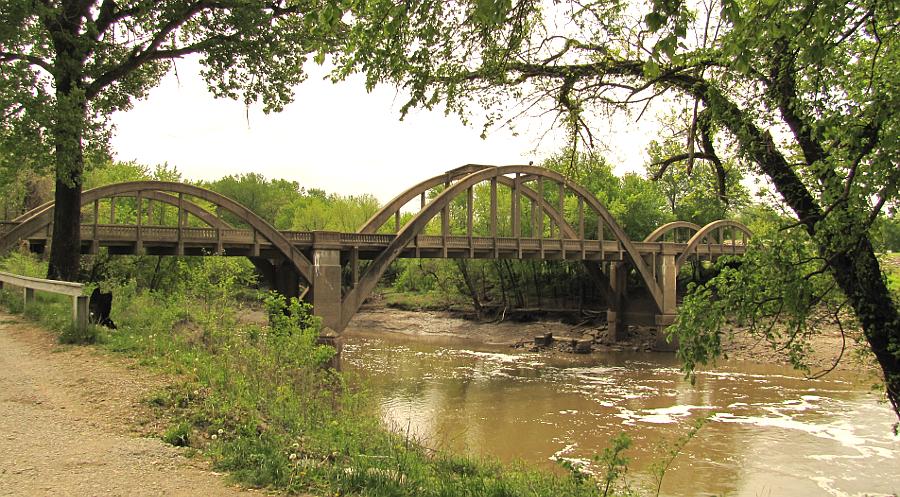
(41, 217)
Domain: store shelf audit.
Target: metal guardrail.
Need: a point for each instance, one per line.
(75, 290)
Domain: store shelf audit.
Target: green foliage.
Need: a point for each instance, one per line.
(317, 210)
(25, 264)
(766, 290)
(887, 233)
(696, 194)
(640, 208)
(267, 198)
(637, 204)
(213, 282)
(891, 265)
(178, 434)
(72, 335)
(110, 172)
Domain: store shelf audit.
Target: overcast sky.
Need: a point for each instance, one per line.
(333, 136)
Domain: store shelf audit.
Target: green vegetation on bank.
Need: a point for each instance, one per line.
(891, 263)
(258, 399)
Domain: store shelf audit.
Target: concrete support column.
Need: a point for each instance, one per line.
(287, 280)
(667, 280)
(667, 277)
(326, 284)
(279, 276)
(616, 312)
(265, 271)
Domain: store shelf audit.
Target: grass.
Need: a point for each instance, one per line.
(51, 311)
(423, 301)
(891, 264)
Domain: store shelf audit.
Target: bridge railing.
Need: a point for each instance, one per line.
(74, 290)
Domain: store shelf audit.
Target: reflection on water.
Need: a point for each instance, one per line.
(770, 431)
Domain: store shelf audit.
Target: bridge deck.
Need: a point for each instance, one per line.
(163, 240)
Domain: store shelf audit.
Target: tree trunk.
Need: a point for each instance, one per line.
(498, 268)
(65, 248)
(856, 270)
(859, 275)
(463, 267)
(70, 115)
(537, 284)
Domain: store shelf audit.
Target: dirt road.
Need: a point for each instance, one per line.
(71, 421)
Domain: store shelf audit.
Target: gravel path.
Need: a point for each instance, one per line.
(71, 422)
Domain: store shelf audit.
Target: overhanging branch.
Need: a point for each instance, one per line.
(32, 60)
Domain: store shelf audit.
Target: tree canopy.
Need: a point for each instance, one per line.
(66, 65)
(805, 92)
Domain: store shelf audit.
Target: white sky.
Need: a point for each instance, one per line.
(333, 136)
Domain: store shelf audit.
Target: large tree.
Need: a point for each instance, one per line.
(66, 65)
(804, 90)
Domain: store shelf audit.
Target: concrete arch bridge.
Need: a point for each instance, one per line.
(522, 212)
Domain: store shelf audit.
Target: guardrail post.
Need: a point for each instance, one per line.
(80, 312)
(29, 296)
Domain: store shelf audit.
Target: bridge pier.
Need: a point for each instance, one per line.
(326, 275)
(615, 316)
(667, 280)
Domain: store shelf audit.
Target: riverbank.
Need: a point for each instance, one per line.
(255, 402)
(829, 348)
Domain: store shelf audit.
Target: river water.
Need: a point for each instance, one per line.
(770, 431)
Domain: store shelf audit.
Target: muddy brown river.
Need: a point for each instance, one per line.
(770, 431)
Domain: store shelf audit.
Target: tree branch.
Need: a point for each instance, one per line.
(35, 61)
(883, 195)
(754, 141)
(706, 142)
(110, 14)
(665, 163)
(783, 89)
(150, 52)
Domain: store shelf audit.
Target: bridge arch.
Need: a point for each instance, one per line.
(41, 217)
(705, 235)
(190, 207)
(673, 227)
(392, 208)
(465, 178)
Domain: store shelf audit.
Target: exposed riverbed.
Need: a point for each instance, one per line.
(771, 431)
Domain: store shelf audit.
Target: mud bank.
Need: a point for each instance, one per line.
(825, 347)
